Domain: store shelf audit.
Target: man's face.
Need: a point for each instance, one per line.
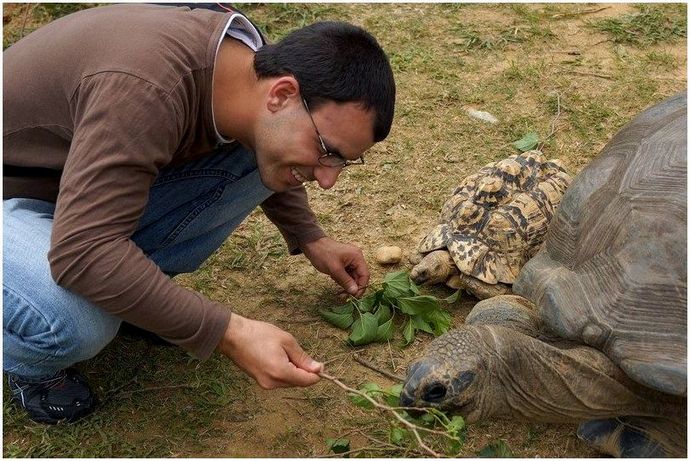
(288, 148)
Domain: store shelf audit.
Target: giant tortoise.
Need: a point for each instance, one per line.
(598, 334)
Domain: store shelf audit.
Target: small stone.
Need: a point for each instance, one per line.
(388, 255)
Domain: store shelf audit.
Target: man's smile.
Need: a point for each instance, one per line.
(298, 176)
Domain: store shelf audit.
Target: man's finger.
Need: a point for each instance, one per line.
(301, 359)
(343, 278)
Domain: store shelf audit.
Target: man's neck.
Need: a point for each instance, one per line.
(235, 92)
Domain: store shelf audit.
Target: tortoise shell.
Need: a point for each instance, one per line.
(497, 218)
(612, 271)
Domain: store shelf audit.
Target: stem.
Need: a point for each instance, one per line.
(371, 366)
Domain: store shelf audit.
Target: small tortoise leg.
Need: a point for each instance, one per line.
(477, 288)
(617, 437)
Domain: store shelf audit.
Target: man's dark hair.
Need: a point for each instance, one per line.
(334, 61)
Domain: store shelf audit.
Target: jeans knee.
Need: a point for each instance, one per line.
(39, 340)
(85, 343)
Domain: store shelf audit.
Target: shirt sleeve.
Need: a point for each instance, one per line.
(290, 212)
(126, 129)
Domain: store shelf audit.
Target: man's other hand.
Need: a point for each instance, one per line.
(343, 262)
(268, 354)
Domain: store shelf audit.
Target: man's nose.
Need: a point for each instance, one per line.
(326, 176)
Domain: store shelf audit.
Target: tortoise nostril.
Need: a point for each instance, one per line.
(406, 400)
(435, 392)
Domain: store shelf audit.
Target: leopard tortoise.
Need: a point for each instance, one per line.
(492, 224)
(598, 335)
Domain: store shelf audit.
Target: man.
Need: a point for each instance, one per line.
(136, 138)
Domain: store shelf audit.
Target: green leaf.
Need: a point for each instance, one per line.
(427, 419)
(370, 389)
(439, 320)
(341, 320)
(413, 287)
(361, 402)
(385, 331)
(347, 307)
(395, 390)
(367, 303)
(421, 324)
(527, 142)
(338, 445)
(383, 314)
(496, 449)
(408, 332)
(397, 277)
(364, 329)
(453, 448)
(418, 305)
(396, 284)
(457, 423)
(452, 299)
(392, 395)
(398, 435)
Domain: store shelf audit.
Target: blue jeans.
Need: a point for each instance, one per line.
(191, 211)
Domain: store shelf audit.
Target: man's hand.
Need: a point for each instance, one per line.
(343, 262)
(268, 354)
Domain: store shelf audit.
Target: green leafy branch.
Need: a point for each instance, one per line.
(371, 318)
(369, 396)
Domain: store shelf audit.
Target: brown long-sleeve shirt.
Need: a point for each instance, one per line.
(95, 104)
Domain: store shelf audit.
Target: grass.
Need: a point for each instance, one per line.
(508, 59)
(651, 25)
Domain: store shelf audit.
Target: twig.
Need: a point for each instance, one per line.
(578, 13)
(390, 354)
(413, 427)
(28, 9)
(590, 74)
(553, 122)
(371, 366)
(568, 52)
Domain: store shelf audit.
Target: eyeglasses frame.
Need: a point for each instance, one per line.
(325, 153)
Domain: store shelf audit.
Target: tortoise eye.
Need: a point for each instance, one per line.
(434, 392)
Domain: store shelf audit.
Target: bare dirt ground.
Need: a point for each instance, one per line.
(536, 68)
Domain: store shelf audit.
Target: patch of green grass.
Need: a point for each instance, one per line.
(591, 117)
(653, 24)
(522, 73)
(475, 40)
(661, 60)
(278, 19)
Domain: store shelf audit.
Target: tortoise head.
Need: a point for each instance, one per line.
(435, 267)
(449, 375)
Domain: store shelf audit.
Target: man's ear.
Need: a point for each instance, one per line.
(282, 92)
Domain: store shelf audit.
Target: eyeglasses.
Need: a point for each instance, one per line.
(327, 158)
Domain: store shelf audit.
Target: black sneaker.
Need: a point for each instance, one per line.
(65, 397)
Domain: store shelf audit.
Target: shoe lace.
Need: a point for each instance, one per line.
(18, 388)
